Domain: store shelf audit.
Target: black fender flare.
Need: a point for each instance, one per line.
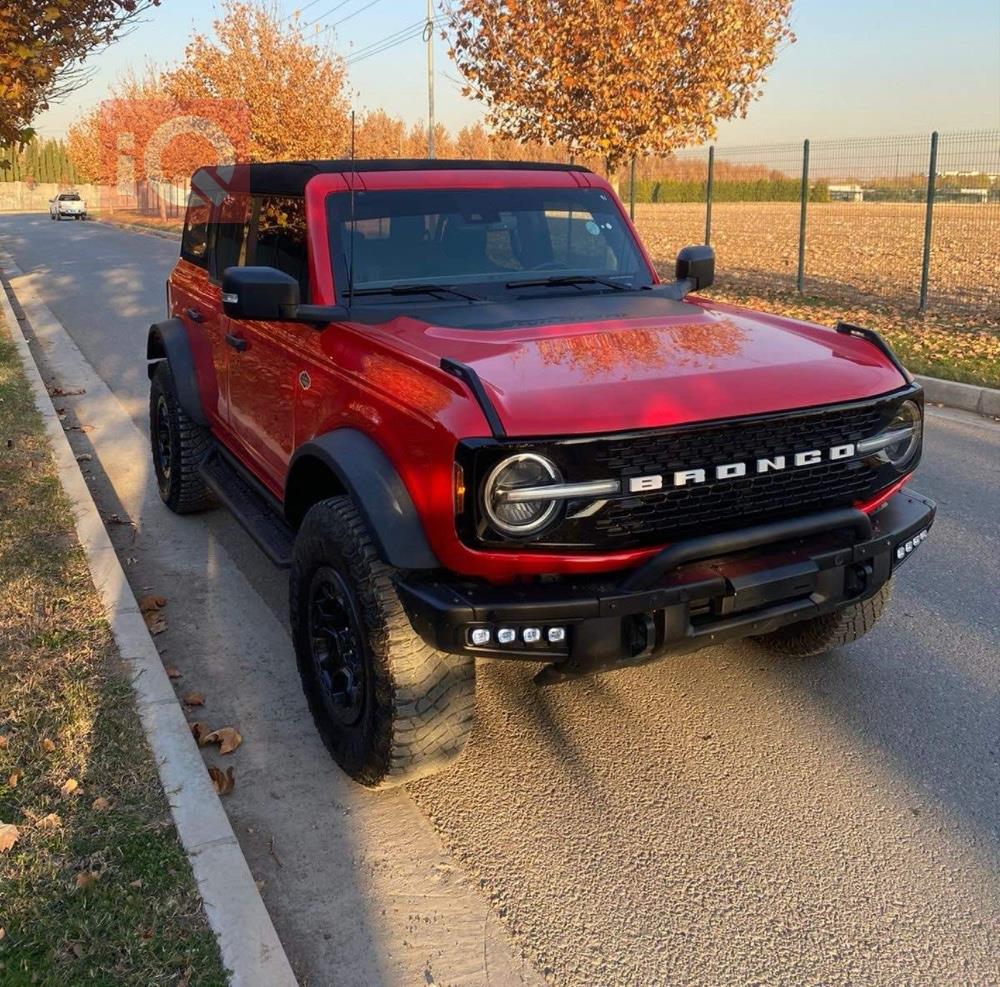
(168, 341)
(367, 475)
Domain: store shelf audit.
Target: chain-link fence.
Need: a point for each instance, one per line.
(909, 221)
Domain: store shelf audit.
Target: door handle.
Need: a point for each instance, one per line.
(194, 315)
(237, 342)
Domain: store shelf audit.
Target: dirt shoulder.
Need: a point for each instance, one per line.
(95, 884)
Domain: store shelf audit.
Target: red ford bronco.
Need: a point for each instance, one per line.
(455, 399)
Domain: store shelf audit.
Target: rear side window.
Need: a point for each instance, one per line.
(194, 242)
(229, 240)
(279, 238)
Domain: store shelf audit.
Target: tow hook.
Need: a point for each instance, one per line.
(857, 577)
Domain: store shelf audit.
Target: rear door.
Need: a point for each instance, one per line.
(269, 360)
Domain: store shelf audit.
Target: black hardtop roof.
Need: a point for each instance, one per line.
(290, 177)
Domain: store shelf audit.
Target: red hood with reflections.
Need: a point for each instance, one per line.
(711, 362)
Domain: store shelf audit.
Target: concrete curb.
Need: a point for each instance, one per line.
(965, 397)
(137, 228)
(248, 943)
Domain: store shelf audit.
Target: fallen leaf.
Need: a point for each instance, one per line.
(65, 392)
(136, 883)
(193, 699)
(79, 428)
(51, 821)
(100, 804)
(9, 834)
(118, 519)
(69, 786)
(76, 949)
(228, 739)
(198, 731)
(3, 741)
(3, 933)
(172, 672)
(13, 779)
(154, 622)
(47, 745)
(185, 979)
(223, 783)
(85, 878)
(152, 602)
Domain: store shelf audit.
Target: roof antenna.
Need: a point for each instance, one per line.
(350, 269)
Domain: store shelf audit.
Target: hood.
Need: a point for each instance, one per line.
(696, 361)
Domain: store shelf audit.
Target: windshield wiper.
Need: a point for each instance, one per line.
(569, 280)
(416, 289)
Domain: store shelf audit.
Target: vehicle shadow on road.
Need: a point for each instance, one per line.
(905, 700)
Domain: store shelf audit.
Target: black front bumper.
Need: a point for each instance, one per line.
(691, 595)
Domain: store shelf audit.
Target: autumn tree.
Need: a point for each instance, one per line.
(379, 135)
(618, 78)
(42, 46)
(294, 90)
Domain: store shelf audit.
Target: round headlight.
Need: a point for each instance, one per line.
(908, 424)
(520, 517)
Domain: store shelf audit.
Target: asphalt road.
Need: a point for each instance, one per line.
(724, 817)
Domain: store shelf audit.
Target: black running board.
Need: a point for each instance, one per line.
(251, 505)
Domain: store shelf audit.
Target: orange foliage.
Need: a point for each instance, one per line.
(294, 91)
(618, 79)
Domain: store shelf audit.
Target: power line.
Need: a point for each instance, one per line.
(390, 41)
(330, 27)
(299, 12)
(332, 10)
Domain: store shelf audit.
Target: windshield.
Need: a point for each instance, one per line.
(491, 238)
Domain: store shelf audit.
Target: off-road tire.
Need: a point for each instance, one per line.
(180, 484)
(418, 703)
(832, 630)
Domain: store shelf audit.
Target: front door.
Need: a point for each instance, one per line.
(267, 362)
(194, 299)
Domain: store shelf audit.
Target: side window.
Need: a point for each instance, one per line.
(194, 242)
(232, 222)
(279, 238)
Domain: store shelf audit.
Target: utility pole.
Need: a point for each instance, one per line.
(429, 38)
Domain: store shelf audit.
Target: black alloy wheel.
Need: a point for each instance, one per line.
(337, 647)
(161, 441)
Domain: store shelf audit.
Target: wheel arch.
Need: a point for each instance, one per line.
(168, 341)
(348, 462)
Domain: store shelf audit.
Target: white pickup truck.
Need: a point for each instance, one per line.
(67, 205)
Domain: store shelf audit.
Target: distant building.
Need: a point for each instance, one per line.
(847, 193)
(964, 194)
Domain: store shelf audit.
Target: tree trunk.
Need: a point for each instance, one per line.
(613, 177)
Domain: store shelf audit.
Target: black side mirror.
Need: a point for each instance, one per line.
(696, 265)
(259, 293)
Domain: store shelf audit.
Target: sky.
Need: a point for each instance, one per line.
(858, 68)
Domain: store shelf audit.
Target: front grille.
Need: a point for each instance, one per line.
(721, 505)
(727, 504)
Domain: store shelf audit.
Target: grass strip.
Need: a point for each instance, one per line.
(96, 889)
